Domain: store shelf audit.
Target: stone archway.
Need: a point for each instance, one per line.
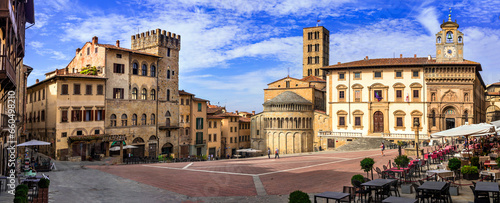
(450, 118)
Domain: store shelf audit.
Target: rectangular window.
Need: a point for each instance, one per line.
(378, 74)
(99, 115)
(43, 94)
(117, 93)
(187, 101)
(341, 95)
(96, 132)
(182, 119)
(88, 115)
(76, 89)
(199, 106)
(287, 84)
(79, 132)
(415, 73)
(168, 52)
(210, 137)
(118, 56)
(95, 51)
(88, 50)
(415, 93)
(64, 90)
(39, 97)
(215, 137)
(215, 124)
(399, 94)
(257, 132)
(341, 121)
(76, 115)
(64, 134)
(357, 121)
(377, 95)
(118, 68)
(231, 140)
(231, 129)
(182, 101)
(417, 120)
(399, 122)
(341, 76)
(209, 124)
(357, 75)
(199, 123)
(100, 90)
(187, 118)
(399, 74)
(43, 115)
(88, 89)
(64, 116)
(357, 95)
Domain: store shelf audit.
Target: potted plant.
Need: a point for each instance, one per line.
(454, 164)
(470, 172)
(21, 194)
(367, 165)
(358, 177)
(299, 197)
(402, 161)
(474, 161)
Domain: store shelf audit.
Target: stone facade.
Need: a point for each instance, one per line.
(493, 102)
(316, 51)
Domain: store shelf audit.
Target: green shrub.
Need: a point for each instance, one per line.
(367, 164)
(469, 169)
(454, 164)
(474, 161)
(20, 200)
(358, 177)
(299, 197)
(21, 193)
(22, 186)
(402, 161)
(44, 183)
(498, 160)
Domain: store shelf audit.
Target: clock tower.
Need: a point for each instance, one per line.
(449, 42)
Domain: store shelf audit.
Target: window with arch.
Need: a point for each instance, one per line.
(124, 119)
(143, 119)
(113, 120)
(438, 40)
(466, 97)
(433, 116)
(153, 119)
(168, 74)
(460, 40)
(135, 69)
(449, 37)
(153, 70)
(144, 70)
(144, 94)
(168, 95)
(433, 97)
(134, 119)
(153, 94)
(168, 114)
(134, 93)
(466, 117)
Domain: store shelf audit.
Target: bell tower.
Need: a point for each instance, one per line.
(449, 42)
(316, 51)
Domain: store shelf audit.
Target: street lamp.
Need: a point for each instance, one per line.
(416, 124)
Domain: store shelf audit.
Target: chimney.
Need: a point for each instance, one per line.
(77, 51)
(253, 112)
(429, 57)
(366, 58)
(118, 43)
(415, 55)
(39, 80)
(338, 63)
(94, 40)
(236, 112)
(400, 55)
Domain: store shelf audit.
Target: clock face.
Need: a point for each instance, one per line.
(450, 52)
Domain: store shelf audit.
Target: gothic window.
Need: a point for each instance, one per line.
(144, 70)
(144, 94)
(134, 93)
(466, 97)
(168, 74)
(135, 69)
(113, 120)
(153, 94)
(143, 119)
(153, 71)
(124, 119)
(134, 119)
(168, 114)
(168, 95)
(433, 118)
(153, 119)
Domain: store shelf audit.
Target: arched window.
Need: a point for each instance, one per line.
(167, 114)
(433, 97)
(124, 119)
(134, 93)
(144, 69)
(460, 39)
(113, 120)
(135, 69)
(168, 74)
(438, 40)
(449, 37)
(153, 71)
(466, 116)
(143, 119)
(144, 94)
(153, 94)
(466, 97)
(168, 95)
(433, 118)
(153, 119)
(134, 119)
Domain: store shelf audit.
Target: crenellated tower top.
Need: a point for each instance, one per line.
(154, 38)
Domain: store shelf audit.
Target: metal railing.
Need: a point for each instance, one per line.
(339, 134)
(409, 136)
(201, 141)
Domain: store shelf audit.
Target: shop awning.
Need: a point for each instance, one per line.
(467, 130)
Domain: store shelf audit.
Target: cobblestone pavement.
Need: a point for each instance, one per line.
(238, 180)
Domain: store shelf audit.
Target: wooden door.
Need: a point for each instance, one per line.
(378, 122)
(331, 143)
(152, 149)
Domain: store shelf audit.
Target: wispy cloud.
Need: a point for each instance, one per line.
(36, 44)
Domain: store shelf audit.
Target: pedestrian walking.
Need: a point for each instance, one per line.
(382, 147)
(277, 153)
(269, 152)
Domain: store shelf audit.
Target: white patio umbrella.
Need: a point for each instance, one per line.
(117, 148)
(497, 125)
(467, 130)
(249, 150)
(33, 143)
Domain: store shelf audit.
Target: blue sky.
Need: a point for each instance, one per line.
(231, 50)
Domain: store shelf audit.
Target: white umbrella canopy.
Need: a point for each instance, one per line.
(117, 148)
(467, 130)
(496, 124)
(249, 150)
(33, 143)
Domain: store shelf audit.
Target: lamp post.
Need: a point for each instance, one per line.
(416, 124)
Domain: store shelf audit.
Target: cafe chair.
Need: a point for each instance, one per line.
(479, 198)
(352, 194)
(419, 194)
(364, 195)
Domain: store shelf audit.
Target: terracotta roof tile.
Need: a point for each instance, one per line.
(230, 114)
(109, 46)
(394, 62)
(214, 117)
(182, 92)
(244, 119)
(312, 78)
(199, 99)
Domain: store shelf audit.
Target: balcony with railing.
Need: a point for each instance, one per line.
(339, 134)
(201, 142)
(407, 136)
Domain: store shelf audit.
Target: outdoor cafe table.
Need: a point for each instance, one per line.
(441, 172)
(393, 199)
(332, 195)
(491, 163)
(378, 183)
(432, 185)
(494, 173)
(487, 187)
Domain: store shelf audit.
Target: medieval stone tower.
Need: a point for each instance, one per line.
(316, 51)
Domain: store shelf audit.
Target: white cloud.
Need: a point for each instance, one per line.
(428, 18)
(36, 44)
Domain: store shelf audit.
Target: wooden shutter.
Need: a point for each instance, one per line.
(91, 115)
(114, 68)
(81, 115)
(103, 116)
(121, 95)
(95, 115)
(72, 115)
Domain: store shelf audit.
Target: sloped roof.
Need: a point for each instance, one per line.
(109, 46)
(287, 97)
(230, 114)
(214, 117)
(244, 119)
(182, 92)
(396, 62)
(312, 78)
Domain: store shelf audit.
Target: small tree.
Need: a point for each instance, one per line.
(367, 165)
(299, 197)
(401, 161)
(358, 178)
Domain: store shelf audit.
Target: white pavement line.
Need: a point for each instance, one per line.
(292, 169)
(185, 167)
(328, 157)
(221, 172)
(259, 187)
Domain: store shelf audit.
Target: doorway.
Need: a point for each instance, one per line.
(450, 123)
(378, 122)
(331, 143)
